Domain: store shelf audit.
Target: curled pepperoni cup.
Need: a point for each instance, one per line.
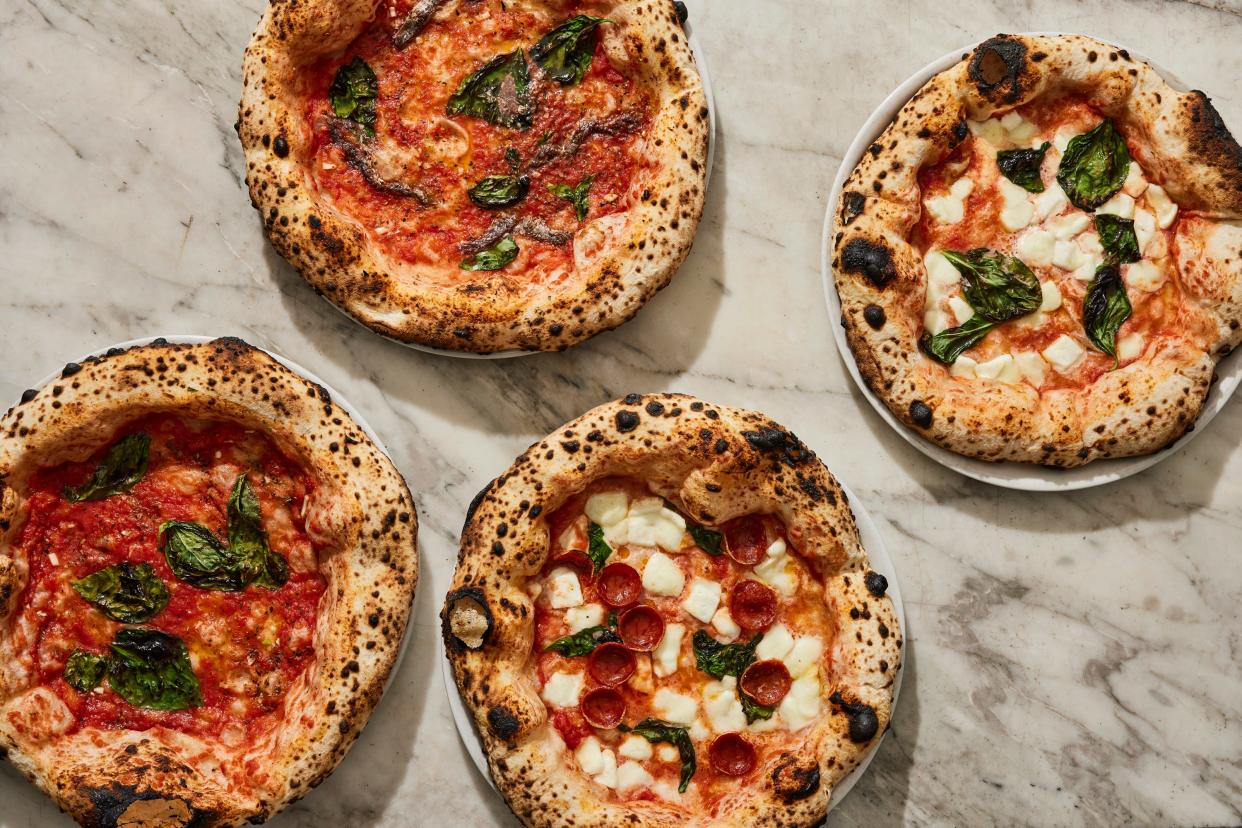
(575, 560)
(641, 628)
(611, 664)
(752, 605)
(603, 707)
(745, 540)
(619, 585)
(732, 755)
(766, 682)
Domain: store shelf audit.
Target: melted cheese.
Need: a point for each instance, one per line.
(804, 656)
(702, 599)
(725, 625)
(635, 747)
(1000, 368)
(950, 208)
(1063, 352)
(1017, 211)
(777, 571)
(801, 704)
(1165, 209)
(961, 309)
(963, 366)
(1130, 347)
(1135, 183)
(674, 707)
(588, 615)
(1035, 247)
(1030, 366)
(1144, 275)
(662, 576)
(776, 643)
(1119, 205)
(722, 706)
(632, 775)
(564, 588)
(563, 689)
(667, 651)
(1051, 296)
(608, 508)
(1051, 201)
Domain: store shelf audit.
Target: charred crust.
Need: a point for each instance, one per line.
(852, 204)
(1211, 140)
(476, 501)
(466, 600)
(775, 440)
(683, 13)
(626, 421)
(280, 146)
(921, 414)
(876, 583)
(997, 67)
(502, 722)
(863, 722)
(124, 805)
(794, 781)
(875, 316)
(875, 261)
(70, 369)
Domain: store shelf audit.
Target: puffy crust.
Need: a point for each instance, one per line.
(882, 281)
(719, 463)
(360, 510)
(489, 312)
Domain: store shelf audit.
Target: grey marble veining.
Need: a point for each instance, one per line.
(1073, 659)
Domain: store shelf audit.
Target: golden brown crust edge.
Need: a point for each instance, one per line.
(332, 253)
(361, 509)
(719, 463)
(1139, 409)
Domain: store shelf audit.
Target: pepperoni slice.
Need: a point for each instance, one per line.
(766, 682)
(603, 707)
(732, 755)
(641, 628)
(619, 585)
(576, 560)
(611, 664)
(745, 540)
(752, 605)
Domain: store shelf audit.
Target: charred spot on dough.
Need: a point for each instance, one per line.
(124, 806)
(863, 721)
(1211, 140)
(627, 420)
(502, 722)
(997, 67)
(921, 414)
(476, 501)
(875, 316)
(794, 779)
(875, 261)
(280, 146)
(876, 583)
(853, 204)
(466, 622)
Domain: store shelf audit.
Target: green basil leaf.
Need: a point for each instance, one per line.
(583, 642)
(997, 286)
(576, 196)
(1105, 308)
(1094, 166)
(353, 93)
(252, 556)
(496, 257)
(122, 467)
(499, 93)
(84, 671)
(498, 191)
(706, 539)
(152, 669)
(125, 592)
(719, 660)
(753, 709)
(658, 730)
(1022, 167)
(1118, 238)
(197, 557)
(566, 52)
(598, 549)
(949, 344)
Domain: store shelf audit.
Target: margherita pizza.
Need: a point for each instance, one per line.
(1041, 258)
(206, 570)
(477, 175)
(662, 616)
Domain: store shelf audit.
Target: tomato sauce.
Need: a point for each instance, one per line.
(246, 647)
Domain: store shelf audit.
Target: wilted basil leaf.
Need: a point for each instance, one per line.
(657, 730)
(949, 344)
(248, 542)
(583, 642)
(353, 93)
(1022, 167)
(197, 557)
(125, 592)
(1105, 308)
(576, 196)
(753, 709)
(719, 660)
(706, 539)
(1118, 239)
(497, 191)
(565, 53)
(495, 257)
(152, 669)
(122, 467)
(84, 671)
(1094, 166)
(598, 549)
(997, 286)
(499, 93)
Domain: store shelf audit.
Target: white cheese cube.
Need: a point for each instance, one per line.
(564, 588)
(1119, 205)
(666, 791)
(1162, 205)
(1035, 247)
(702, 599)
(1000, 368)
(1068, 256)
(674, 707)
(942, 275)
(635, 747)
(776, 548)
(651, 524)
(1135, 183)
(935, 320)
(607, 508)
(1144, 228)
(1022, 132)
(1017, 211)
(668, 753)
(722, 706)
(764, 725)
(1144, 275)
(963, 367)
(951, 207)
(632, 775)
(724, 623)
(776, 643)
(1069, 225)
(662, 575)
(961, 309)
(804, 656)
(587, 615)
(667, 651)
(1011, 120)
(777, 571)
(1063, 352)
(801, 704)
(590, 757)
(1051, 296)
(1030, 366)
(991, 130)
(699, 731)
(1051, 201)
(1130, 347)
(1062, 138)
(563, 689)
(608, 775)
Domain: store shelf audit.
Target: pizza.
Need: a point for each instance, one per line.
(206, 570)
(477, 175)
(1040, 259)
(662, 615)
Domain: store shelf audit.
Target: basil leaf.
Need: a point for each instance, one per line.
(496, 257)
(706, 539)
(353, 93)
(576, 196)
(657, 730)
(1105, 308)
(125, 592)
(152, 669)
(197, 557)
(719, 660)
(84, 671)
(1022, 167)
(122, 467)
(1118, 239)
(598, 549)
(499, 93)
(753, 709)
(497, 191)
(1094, 166)
(566, 52)
(258, 564)
(997, 286)
(949, 344)
(583, 642)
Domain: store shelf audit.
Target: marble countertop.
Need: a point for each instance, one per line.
(1072, 659)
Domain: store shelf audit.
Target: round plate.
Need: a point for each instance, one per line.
(1009, 475)
(877, 554)
(701, 62)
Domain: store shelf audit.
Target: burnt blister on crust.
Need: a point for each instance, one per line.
(997, 68)
(795, 779)
(875, 261)
(876, 583)
(502, 722)
(852, 205)
(921, 414)
(466, 622)
(778, 441)
(875, 316)
(1211, 140)
(863, 723)
(118, 806)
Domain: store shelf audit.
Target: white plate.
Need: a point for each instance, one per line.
(1009, 475)
(880, 562)
(701, 62)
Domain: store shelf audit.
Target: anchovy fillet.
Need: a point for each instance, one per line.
(415, 22)
(345, 136)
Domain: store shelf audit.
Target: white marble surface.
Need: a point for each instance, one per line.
(1073, 659)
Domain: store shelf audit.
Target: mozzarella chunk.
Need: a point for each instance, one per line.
(650, 523)
(1063, 352)
(607, 508)
(1051, 296)
(1144, 227)
(1030, 366)
(961, 309)
(1051, 201)
(667, 651)
(1069, 225)
(666, 791)
(608, 776)
(942, 275)
(1000, 368)
(1020, 129)
(635, 747)
(776, 643)
(801, 704)
(565, 590)
(1135, 183)
(991, 130)
(1130, 347)
(587, 615)
(950, 208)
(1068, 256)
(674, 707)
(1144, 275)
(1119, 205)
(1035, 247)
(964, 366)
(1163, 206)
(723, 708)
(935, 320)
(633, 775)
(1062, 138)
(563, 689)
(668, 753)
(590, 757)
(804, 656)
(724, 623)
(699, 731)
(662, 575)
(776, 570)
(1017, 211)
(702, 599)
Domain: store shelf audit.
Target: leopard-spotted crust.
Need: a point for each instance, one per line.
(881, 278)
(719, 463)
(488, 312)
(360, 511)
